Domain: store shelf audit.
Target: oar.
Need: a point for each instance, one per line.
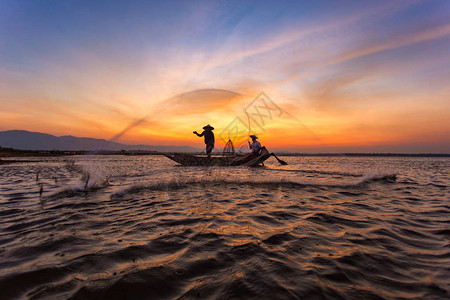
(282, 162)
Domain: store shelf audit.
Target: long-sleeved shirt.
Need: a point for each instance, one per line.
(209, 137)
(255, 146)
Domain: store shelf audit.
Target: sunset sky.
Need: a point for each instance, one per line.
(347, 76)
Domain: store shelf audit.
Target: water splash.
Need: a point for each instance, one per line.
(223, 180)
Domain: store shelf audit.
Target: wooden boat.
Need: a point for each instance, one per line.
(246, 160)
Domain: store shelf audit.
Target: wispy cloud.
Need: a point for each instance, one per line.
(157, 80)
(397, 42)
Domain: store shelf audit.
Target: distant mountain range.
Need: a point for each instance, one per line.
(26, 140)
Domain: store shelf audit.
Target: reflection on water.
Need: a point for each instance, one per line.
(140, 227)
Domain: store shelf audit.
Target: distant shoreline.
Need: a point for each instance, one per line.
(9, 152)
(368, 154)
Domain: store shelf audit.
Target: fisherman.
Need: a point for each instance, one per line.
(255, 146)
(209, 138)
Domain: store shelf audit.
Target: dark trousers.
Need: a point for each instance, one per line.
(209, 149)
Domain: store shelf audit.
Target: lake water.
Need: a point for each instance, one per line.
(140, 227)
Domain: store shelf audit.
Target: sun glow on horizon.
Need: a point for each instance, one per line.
(370, 76)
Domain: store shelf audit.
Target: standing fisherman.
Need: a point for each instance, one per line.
(209, 138)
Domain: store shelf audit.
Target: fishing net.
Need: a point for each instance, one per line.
(228, 150)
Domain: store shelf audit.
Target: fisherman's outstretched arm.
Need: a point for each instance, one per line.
(200, 135)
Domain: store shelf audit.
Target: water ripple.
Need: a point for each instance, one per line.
(222, 232)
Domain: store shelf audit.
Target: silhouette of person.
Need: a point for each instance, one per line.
(255, 146)
(209, 138)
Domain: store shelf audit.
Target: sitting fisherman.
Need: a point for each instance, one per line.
(255, 146)
(209, 138)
